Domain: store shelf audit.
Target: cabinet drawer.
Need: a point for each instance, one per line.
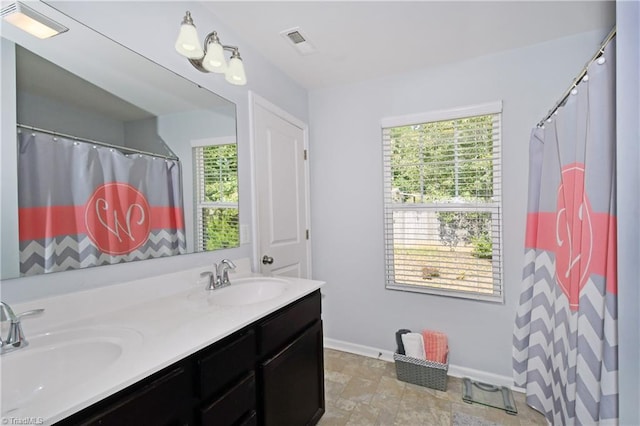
(237, 405)
(160, 402)
(284, 326)
(225, 364)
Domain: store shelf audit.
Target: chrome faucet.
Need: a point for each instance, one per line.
(222, 272)
(15, 337)
(221, 276)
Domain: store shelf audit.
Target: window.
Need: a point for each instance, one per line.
(442, 202)
(216, 197)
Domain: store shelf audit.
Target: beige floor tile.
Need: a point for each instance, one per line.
(387, 408)
(334, 416)
(390, 387)
(412, 415)
(362, 391)
(333, 390)
(364, 414)
(336, 376)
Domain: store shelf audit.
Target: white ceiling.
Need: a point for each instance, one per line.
(361, 40)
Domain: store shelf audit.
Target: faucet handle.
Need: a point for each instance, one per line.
(226, 264)
(30, 313)
(211, 284)
(229, 263)
(6, 313)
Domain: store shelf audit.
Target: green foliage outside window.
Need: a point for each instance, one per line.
(443, 161)
(218, 197)
(220, 174)
(221, 228)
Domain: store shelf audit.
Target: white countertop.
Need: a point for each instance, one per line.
(161, 319)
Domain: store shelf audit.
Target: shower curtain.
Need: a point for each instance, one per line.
(565, 346)
(81, 205)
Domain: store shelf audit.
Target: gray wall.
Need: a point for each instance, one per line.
(143, 135)
(51, 114)
(628, 128)
(346, 195)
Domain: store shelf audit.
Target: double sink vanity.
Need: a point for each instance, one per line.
(165, 350)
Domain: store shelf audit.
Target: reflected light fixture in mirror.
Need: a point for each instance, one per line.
(31, 21)
(211, 58)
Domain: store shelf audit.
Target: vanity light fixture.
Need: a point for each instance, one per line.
(211, 58)
(29, 20)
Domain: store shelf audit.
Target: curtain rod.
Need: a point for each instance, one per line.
(104, 144)
(577, 80)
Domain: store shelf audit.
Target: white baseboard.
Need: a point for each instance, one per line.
(454, 370)
(354, 348)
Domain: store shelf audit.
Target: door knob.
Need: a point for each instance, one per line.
(267, 260)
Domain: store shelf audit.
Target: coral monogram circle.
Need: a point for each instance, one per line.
(117, 218)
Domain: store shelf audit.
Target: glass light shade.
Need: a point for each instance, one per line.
(235, 72)
(188, 43)
(214, 60)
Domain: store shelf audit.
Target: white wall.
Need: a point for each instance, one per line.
(150, 28)
(347, 185)
(628, 178)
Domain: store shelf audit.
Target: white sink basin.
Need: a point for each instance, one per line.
(241, 292)
(52, 360)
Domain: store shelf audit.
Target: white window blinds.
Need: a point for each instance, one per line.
(442, 203)
(216, 174)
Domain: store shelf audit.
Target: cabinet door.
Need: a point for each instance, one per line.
(293, 382)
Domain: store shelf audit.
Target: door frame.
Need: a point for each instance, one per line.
(257, 100)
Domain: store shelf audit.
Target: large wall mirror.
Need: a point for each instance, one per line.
(117, 158)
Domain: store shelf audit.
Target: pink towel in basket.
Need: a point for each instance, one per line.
(435, 346)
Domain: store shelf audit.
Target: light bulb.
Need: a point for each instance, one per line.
(214, 60)
(235, 72)
(188, 44)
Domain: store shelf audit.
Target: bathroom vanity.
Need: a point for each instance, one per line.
(218, 359)
(270, 373)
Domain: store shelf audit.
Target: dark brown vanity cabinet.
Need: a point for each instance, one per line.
(269, 373)
(293, 382)
(291, 367)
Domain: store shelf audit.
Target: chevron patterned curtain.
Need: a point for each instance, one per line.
(565, 348)
(81, 205)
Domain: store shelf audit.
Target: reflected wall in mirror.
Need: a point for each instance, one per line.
(117, 158)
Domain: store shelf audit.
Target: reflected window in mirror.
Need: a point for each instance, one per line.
(216, 200)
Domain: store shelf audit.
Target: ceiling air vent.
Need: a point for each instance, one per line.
(298, 41)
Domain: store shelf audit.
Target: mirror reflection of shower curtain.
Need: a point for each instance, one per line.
(565, 343)
(81, 205)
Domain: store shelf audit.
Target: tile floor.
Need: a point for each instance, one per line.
(364, 391)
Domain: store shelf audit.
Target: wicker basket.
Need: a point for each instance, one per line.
(421, 372)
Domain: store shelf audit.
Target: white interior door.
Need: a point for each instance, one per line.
(281, 192)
